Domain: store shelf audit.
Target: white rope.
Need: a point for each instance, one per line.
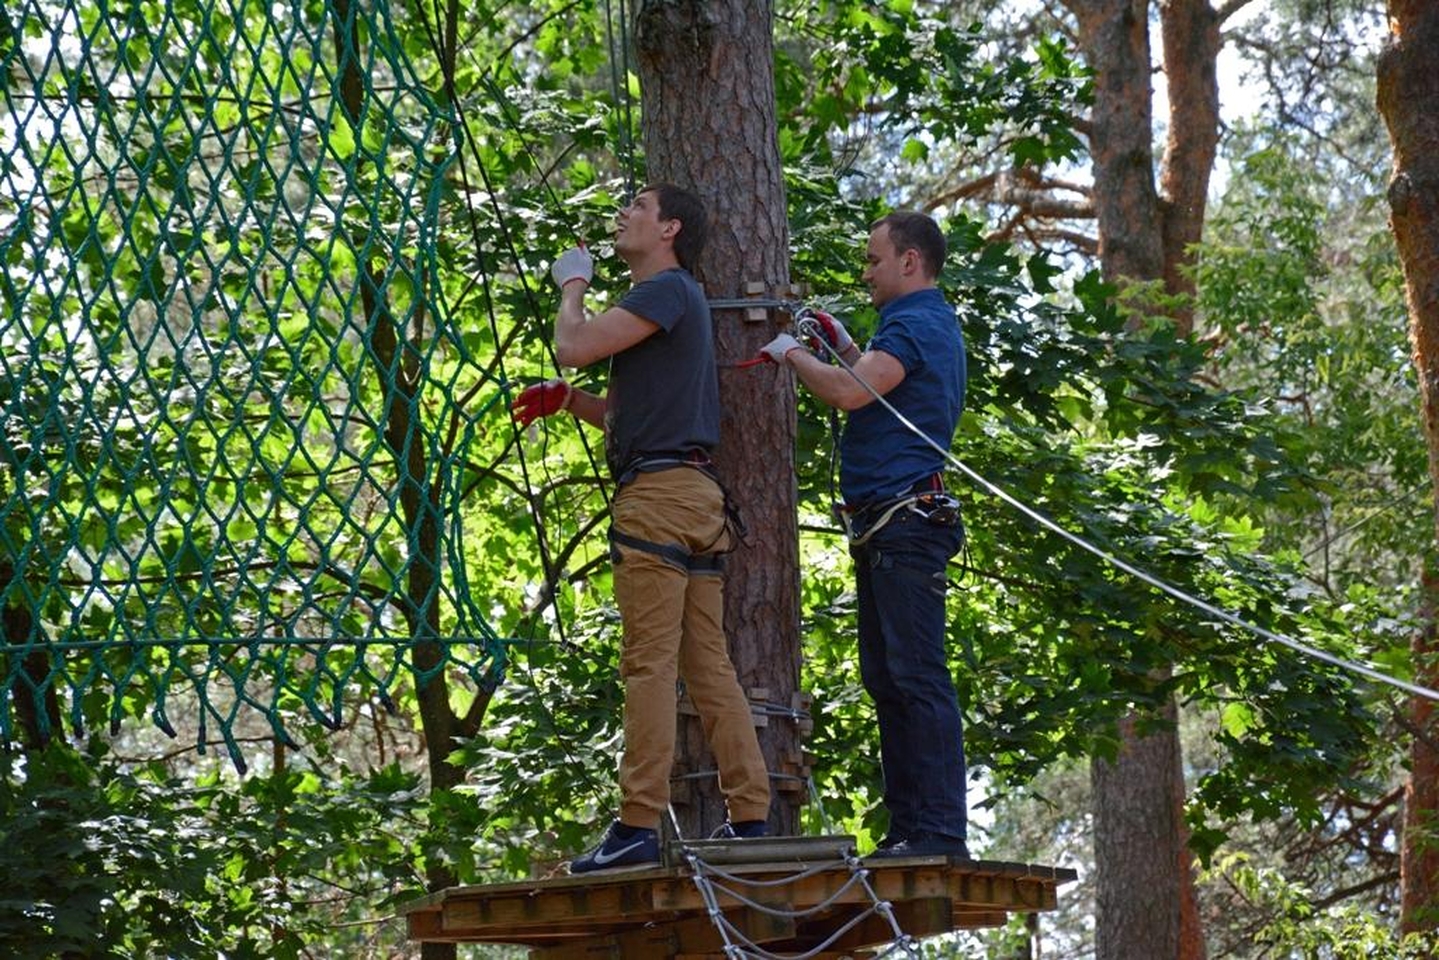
(738, 945)
(813, 330)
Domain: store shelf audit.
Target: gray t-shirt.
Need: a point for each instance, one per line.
(664, 390)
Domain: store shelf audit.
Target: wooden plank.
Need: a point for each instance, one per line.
(658, 911)
(1012, 893)
(916, 918)
(642, 943)
(809, 889)
(780, 852)
(423, 926)
(693, 936)
(701, 935)
(543, 907)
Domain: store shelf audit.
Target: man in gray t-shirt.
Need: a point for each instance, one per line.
(670, 527)
(663, 391)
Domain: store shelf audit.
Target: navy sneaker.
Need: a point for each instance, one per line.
(922, 843)
(743, 830)
(622, 846)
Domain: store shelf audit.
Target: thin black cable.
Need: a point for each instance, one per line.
(622, 102)
(596, 790)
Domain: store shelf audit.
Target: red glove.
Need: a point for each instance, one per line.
(833, 332)
(541, 400)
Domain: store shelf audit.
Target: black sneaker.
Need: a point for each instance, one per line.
(622, 846)
(922, 843)
(890, 839)
(743, 830)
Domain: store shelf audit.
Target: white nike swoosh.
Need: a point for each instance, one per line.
(602, 858)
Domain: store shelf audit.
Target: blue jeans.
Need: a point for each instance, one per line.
(901, 580)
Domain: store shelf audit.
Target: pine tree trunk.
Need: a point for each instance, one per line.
(1408, 92)
(707, 89)
(1419, 852)
(1191, 42)
(1137, 887)
(1146, 901)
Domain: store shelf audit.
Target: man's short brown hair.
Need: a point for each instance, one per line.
(677, 203)
(909, 230)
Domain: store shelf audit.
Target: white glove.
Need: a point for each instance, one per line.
(832, 331)
(574, 264)
(778, 348)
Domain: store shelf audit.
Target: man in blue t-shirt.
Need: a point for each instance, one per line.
(670, 524)
(903, 529)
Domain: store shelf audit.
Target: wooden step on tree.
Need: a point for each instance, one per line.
(782, 895)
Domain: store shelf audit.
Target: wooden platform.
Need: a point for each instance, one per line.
(653, 912)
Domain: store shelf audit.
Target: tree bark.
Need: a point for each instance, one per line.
(1146, 900)
(1419, 851)
(1137, 885)
(708, 111)
(1191, 42)
(1408, 89)
(1114, 35)
(37, 706)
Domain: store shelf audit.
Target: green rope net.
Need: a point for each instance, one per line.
(233, 421)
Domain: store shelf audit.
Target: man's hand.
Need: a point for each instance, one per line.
(541, 400)
(779, 347)
(831, 330)
(574, 264)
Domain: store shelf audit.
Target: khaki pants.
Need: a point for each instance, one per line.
(674, 627)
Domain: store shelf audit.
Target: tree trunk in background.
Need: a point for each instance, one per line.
(1136, 838)
(1146, 901)
(1408, 96)
(1190, 32)
(1191, 43)
(1136, 848)
(1419, 850)
(707, 93)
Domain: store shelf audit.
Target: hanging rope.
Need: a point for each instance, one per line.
(619, 51)
(713, 882)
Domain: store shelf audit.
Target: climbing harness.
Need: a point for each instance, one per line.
(926, 499)
(937, 509)
(702, 562)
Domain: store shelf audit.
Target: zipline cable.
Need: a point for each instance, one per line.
(813, 330)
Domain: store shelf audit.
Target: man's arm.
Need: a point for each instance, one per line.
(580, 342)
(588, 407)
(837, 387)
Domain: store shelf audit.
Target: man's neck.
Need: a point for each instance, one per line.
(913, 288)
(642, 268)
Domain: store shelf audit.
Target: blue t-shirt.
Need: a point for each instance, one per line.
(879, 457)
(664, 391)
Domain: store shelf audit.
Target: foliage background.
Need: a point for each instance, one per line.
(1265, 464)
